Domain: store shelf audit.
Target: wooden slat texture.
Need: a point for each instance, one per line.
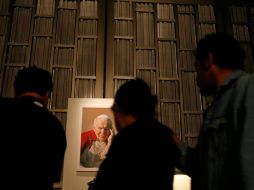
(62, 117)
(45, 7)
(86, 57)
(167, 59)
(123, 58)
(24, 2)
(16, 54)
(165, 12)
(248, 65)
(150, 77)
(186, 60)
(241, 31)
(87, 27)
(145, 58)
(4, 20)
(166, 30)
(43, 26)
(123, 28)
(170, 113)
(2, 40)
(41, 52)
(153, 40)
(9, 76)
(122, 9)
(62, 84)
(65, 26)
(145, 29)
(169, 90)
(194, 120)
(4, 23)
(187, 32)
(4, 7)
(67, 4)
(84, 88)
(88, 8)
(21, 24)
(191, 95)
(63, 56)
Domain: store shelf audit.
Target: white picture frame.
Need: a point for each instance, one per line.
(77, 178)
(80, 116)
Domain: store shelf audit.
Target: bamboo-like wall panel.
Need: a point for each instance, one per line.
(60, 36)
(63, 56)
(153, 40)
(169, 90)
(146, 58)
(86, 57)
(21, 22)
(62, 117)
(45, 7)
(241, 32)
(84, 88)
(206, 20)
(87, 27)
(171, 112)
(167, 59)
(43, 26)
(192, 102)
(163, 39)
(62, 83)
(149, 76)
(191, 132)
(41, 48)
(17, 54)
(65, 30)
(123, 56)
(10, 73)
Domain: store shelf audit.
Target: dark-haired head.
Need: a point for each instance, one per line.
(226, 51)
(33, 79)
(134, 98)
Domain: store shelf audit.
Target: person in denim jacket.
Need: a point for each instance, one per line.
(224, 156)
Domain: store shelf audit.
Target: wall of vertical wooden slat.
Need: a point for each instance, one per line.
(153, 40)
(60, 36)
(241, 31)
(4, 25)
(163, 37)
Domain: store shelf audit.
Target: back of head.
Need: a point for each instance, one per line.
(134, 97)
(226, 51)
(33, 79)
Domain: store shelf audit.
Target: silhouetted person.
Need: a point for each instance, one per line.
(142, 154)
(224, 156)
(33, 139)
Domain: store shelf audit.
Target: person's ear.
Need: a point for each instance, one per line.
(48, 94)
(46, 98)
(206, 65)
(208, 62)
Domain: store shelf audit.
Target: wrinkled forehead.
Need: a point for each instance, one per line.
(102, 124)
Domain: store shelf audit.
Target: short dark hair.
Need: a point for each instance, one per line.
(33, 79)
(226, 51)
(134, 97)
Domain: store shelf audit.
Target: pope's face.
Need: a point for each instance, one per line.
(101, 129)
